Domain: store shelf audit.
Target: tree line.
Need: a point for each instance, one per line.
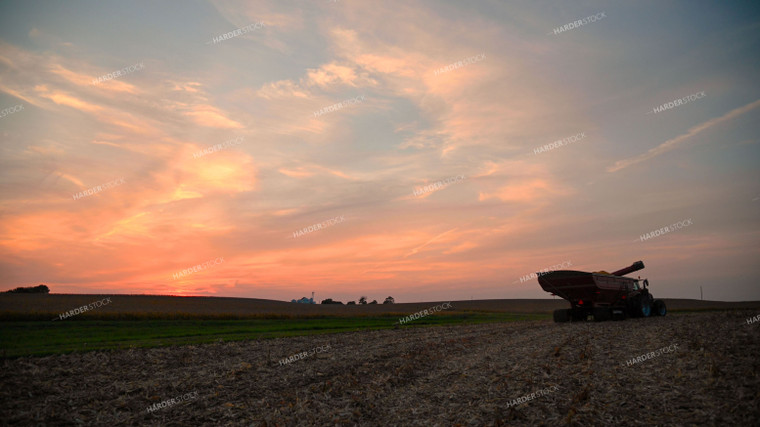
(41, 289)
(362, 301)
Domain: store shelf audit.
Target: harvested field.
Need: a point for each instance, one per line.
(454, 375)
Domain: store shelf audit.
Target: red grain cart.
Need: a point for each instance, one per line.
(600, 294)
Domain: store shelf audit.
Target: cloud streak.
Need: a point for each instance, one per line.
(673, 143)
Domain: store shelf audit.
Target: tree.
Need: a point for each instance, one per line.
(363, 300)
(327, 301)
(374, 301)
(351, 303)
(389, 300)
(41, 289)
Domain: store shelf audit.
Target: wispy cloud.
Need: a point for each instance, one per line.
(672, 144)
(418, 248)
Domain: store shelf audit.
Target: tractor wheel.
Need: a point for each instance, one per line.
(639, 306)
(659, 308)
(561, 316)
(644, 307)
(602, 313)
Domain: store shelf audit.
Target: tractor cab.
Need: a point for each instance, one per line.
(640, 287)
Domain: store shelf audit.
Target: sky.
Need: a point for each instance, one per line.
(420, 135)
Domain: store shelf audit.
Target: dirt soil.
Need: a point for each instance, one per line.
(460, 375)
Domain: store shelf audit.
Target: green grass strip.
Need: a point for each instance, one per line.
(41, 338)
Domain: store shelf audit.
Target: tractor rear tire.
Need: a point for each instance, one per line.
(640, 307)
(561, 316)
(659, 308)
(602, 314)
(644, 308)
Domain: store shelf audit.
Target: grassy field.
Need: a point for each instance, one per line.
(39, 338)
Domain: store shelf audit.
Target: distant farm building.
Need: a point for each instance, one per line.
(305, 300)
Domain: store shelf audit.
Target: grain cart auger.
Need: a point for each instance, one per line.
(600, 294)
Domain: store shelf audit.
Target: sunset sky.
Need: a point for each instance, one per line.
(509, 210)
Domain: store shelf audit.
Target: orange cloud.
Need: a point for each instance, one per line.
(207, 115)
(525, 191)
(61, 98)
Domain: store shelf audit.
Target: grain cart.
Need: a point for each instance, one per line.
(600, 294)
